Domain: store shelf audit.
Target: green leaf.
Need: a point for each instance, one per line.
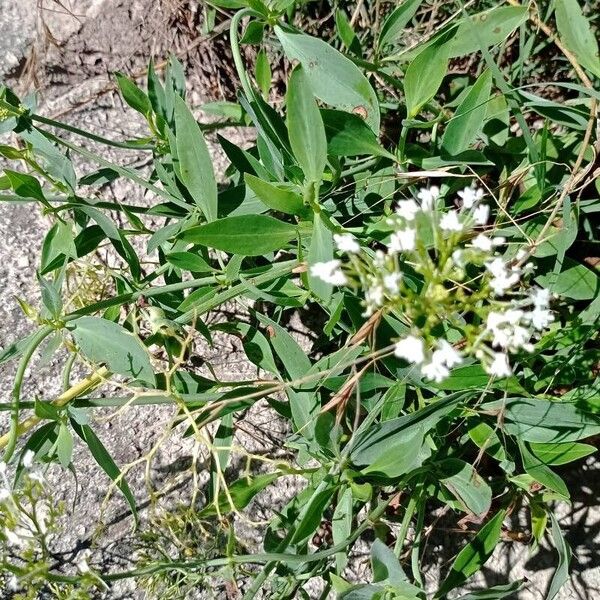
(349, 135)
(574, 281)
(104, 459)
(321, 250)
(346, 33)
(248, 235)
(424, 76)
(305, 126)
(58, 242)
(496, 592)
(241, 493)
(263, 73)
(103, 341)
(195, 162)
(541, 421)
(577, 35)
(310, 516)
(293, 357)
(474, 555)
(486, 437)
(25, 186)
(396, 21)
(188, 261)
(133, 95)
(466, 485)
(341, 525)
(487, 28)
(64, 447)
(396, 446)
(304, 405)
(334, 79)
(221, 452)
(541, 473)
(276, 197)
(469, 117)
(51, 296)
(561, 574)
(561, 454)
(386, 568)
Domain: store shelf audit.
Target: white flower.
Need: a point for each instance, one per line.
(458, 258)
(435, 369)
(508, 333)
(2, 467)
(407, 209)
(375, 295)
(379, 259)
(428, 196)
(346, 242)
(329, 272)
(391, 282)
(540, 318)
(482, 242)
(500, 366)
(448, 354)
(450, 222)
(481, 214)
(403, 240)
(470, 196)
(28, 459)
(411, 349)
(502, 278)
(4, 494)
(540, 297)
(13, 583)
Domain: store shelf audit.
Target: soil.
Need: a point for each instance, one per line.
(67, 51)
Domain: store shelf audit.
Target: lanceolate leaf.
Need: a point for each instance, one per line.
(487, 28)
(577, 35)
(466, 485)
(541, 473)
(424, 77)
(349, 135)
(474, 555)
(469, 117)
(103, 341)
(305, 126)
(321, 250)
(276, 197)
(195, 164)
(396, 21)
(104, 459)
(334, 79)
(541, 421)
(561, 575)
(249, 235)
(240, 493)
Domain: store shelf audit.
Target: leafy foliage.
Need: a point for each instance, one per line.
(414, 211)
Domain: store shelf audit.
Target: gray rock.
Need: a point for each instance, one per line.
(17, 33)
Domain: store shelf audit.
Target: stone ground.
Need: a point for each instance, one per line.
(67, 50)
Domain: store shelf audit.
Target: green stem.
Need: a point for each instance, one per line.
(408, 515)
(414, 559)
(277, 271)
(37, 339)
(66, 374)
(235, 49)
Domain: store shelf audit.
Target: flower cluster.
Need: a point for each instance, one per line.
(440, 271)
